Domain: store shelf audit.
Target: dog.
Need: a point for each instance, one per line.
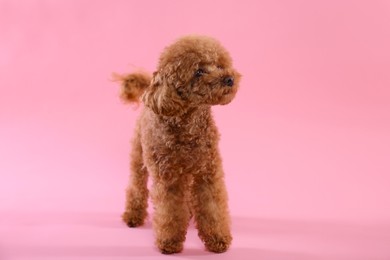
(176, 142)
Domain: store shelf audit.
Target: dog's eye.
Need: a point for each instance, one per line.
(199, 73)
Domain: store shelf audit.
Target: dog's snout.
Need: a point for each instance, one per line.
(228, 81)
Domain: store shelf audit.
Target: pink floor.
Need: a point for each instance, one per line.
(306, 143)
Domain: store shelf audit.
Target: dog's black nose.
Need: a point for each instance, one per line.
(228, 81)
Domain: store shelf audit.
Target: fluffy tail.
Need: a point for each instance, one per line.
(133, 85)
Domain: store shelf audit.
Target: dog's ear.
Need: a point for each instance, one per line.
(162, 97)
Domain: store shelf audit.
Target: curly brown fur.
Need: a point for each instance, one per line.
(176, 142)
(133, 85)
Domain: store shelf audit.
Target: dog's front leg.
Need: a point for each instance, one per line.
(171, 216)
(211, 211)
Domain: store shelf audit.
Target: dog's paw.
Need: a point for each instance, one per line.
(132, 220)
(218, 244)
(169, 246)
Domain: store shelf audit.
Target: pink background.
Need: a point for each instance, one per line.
(306, 143)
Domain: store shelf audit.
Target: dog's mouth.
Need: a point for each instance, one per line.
(199, 94)
(226, 92)
(218, 94)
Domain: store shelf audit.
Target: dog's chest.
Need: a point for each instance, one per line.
(186, 139)
(182, 147)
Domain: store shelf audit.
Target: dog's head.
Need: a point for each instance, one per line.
(194, 71)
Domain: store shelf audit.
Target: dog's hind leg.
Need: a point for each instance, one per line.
(137, 191)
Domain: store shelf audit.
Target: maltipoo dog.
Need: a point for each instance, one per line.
(176, 142)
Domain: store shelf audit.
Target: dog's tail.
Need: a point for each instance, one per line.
(133, 85)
